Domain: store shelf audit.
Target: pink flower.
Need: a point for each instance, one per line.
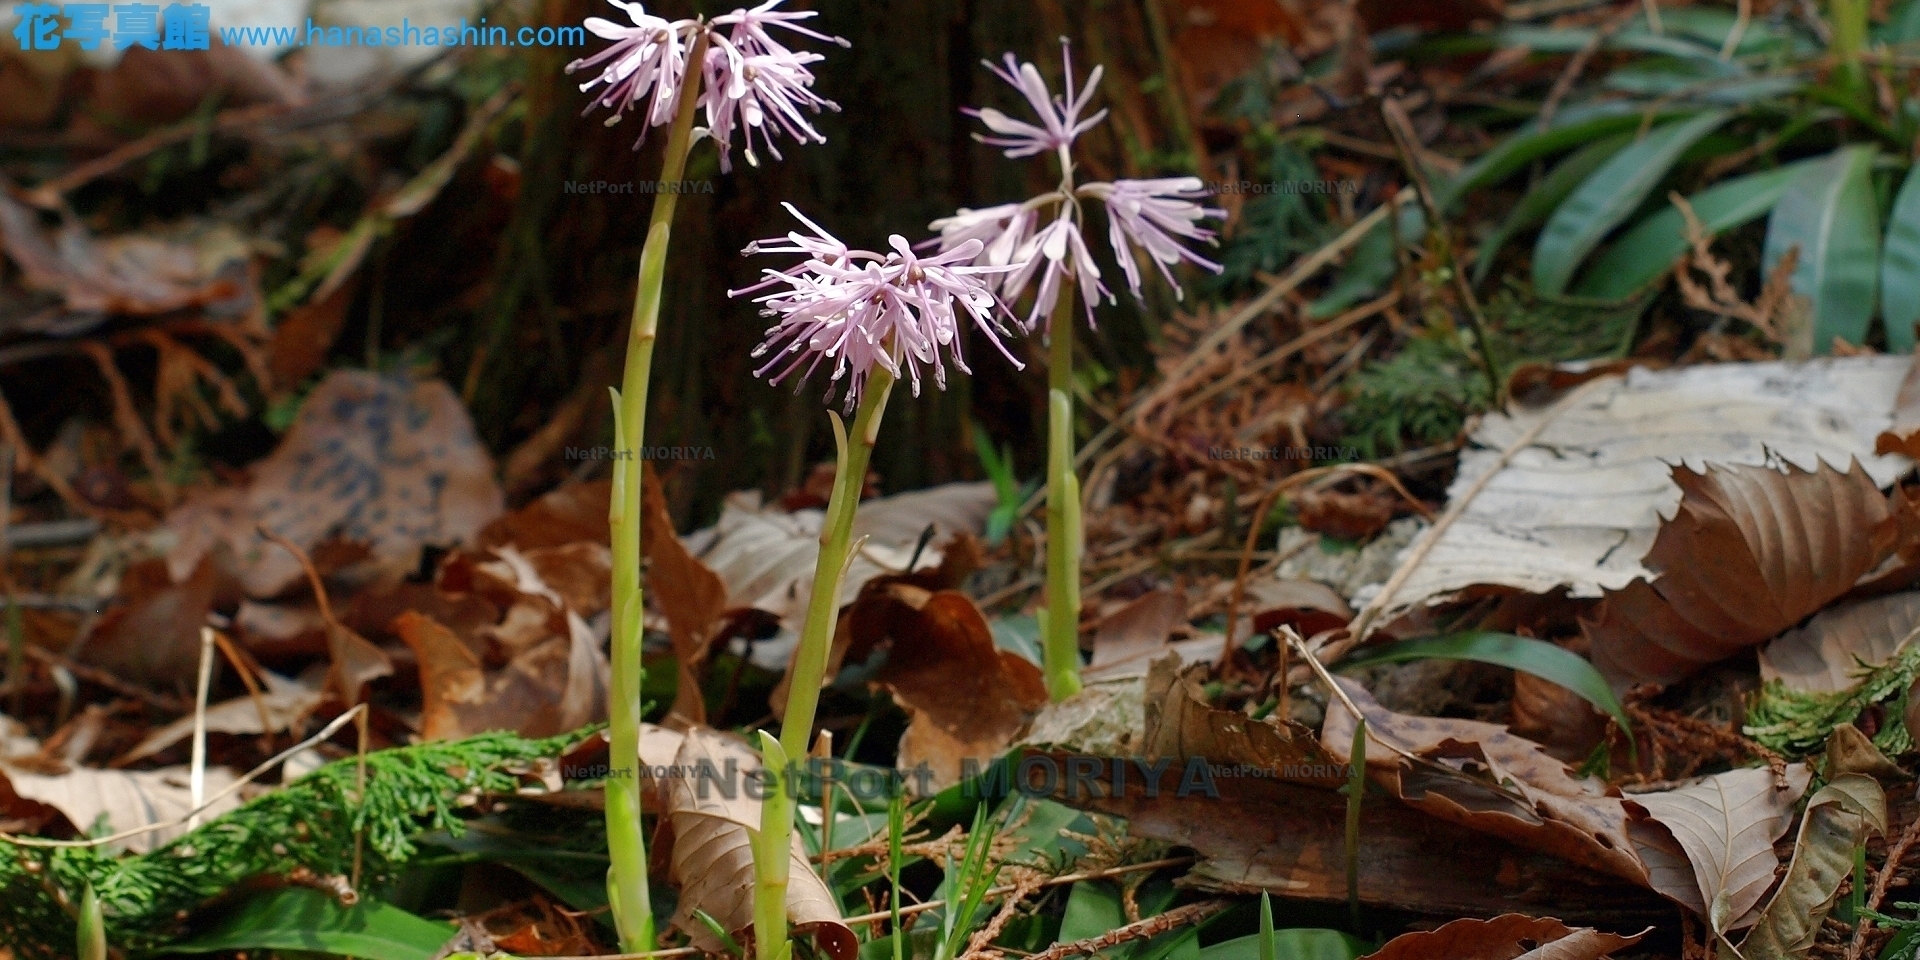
(646, 61)
(1060, 119)
(755, 84)
(1001, 230)
(1152, 213)
(898, 311)
(750, 81)
(1050, 254)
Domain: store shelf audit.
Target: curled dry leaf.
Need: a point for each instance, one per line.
(124, 799)
(556, 686)
(1709, 844)
(1182, 723)
(1835, 824)
(690, 594)
(1750, 552)
(1510, 936)
(1837, 645)
(965, 698)
(1139, 630)
(387, 462)
(711, 818)
(1564, 723)
(1308, 606)
(1348, 516)
(1483, 777)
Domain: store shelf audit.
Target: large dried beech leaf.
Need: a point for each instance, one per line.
(1836, 823)
(1837, 645)
(967, 699)
(390, 463)
(1724, 827)
(1483, 777)
(712, 857)
(1579, 506)
(557, 685)
(1182, 723)
(1510, 936)
(126, 799)
(1750, 552)
(690, 594)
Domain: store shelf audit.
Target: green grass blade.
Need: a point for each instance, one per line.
(896, 827)
(1266, 927)
(1828, 211)
(1609, 196)
(1540, 201)
(1648, 249)
(1900, 266)
(1537, 657)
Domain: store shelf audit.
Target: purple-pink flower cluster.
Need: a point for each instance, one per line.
(1151, 215)
(750, 81)
(898, 311)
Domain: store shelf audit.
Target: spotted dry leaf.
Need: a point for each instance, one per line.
(1510, 936)
(1709, 844)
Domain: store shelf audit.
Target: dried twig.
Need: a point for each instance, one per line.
(1150, 927)
(1719, 297)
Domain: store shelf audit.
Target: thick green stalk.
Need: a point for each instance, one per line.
(836, 538)
(1849, 23)
(627, 891)
(771, 861)
(1063, 510)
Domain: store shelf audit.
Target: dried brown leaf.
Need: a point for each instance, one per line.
(1481, 776)
(712, 856)
(1140, 629)
(153, 635)
(1838, 644)
(1723, 829)
(555, 686)
(126, 799)
(967, 699)
(1510, 936)
(1835, 824)
(1749, 552)
(391, 463)
(690, 594)
(1182, 723)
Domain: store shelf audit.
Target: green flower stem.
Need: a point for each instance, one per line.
(836, 537)
(628, 894)
(1063, 511)
(771, 860)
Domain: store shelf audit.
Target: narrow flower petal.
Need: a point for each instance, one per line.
(1155, 216)
(1060, 120)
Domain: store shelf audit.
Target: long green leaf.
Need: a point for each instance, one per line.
(1648, 249)
(1900, 266)
(300, 918)
(1607, 197)
(1298, 944)
(1373, 264)
(1828, 212)
(1531, 143)
(1537, 657)
(1546, 195)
